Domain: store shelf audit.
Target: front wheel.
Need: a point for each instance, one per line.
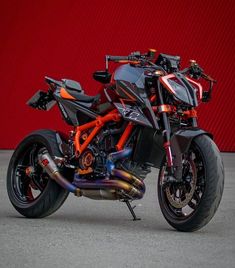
(191, 204)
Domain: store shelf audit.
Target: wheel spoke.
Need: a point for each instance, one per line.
(29, 194)
(32, 156)
(37, 184)
(192, 205)
(28, 183)
(196, 196)
(178, 211)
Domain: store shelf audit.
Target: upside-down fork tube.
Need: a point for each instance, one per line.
(166, 132)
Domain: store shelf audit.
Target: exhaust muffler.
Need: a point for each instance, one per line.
(47, 163)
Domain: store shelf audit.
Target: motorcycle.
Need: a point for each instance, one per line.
(143, 117)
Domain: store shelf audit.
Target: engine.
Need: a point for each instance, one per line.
(92, 162)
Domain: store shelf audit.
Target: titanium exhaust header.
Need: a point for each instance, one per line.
(117, 185)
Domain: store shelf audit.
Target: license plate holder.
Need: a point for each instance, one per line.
(41, 100)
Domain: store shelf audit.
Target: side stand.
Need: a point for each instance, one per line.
(131, 209)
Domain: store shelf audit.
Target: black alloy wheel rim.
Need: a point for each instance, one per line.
(188, 200)
(28, 178)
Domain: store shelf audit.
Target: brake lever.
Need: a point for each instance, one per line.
(206, 95)
(208, 78)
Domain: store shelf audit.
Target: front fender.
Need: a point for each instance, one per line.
(181, 139)
(180, 143)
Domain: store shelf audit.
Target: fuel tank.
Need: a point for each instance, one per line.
(132, 101)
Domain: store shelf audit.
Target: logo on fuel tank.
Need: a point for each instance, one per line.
(129, 113)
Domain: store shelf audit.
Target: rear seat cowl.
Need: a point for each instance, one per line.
(71, 84)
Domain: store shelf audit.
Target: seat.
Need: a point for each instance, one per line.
(74, 89)
(83, 97)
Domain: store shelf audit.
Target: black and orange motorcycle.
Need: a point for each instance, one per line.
(143, 117)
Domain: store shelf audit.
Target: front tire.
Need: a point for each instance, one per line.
(31, 191)
(191, 205)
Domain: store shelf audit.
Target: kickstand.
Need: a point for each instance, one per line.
(132, 210)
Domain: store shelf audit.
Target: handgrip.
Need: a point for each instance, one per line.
(117, 58)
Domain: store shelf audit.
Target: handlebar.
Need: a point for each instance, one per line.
(134, 56)
(194, 70)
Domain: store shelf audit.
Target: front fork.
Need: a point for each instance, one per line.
(166, 132)
(173, 152)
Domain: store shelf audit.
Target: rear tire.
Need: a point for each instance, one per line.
(209, 172)
(20, 186)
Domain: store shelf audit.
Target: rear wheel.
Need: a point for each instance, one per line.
(30, 189)
(191, 204)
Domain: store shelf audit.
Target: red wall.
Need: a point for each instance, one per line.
(70, 38)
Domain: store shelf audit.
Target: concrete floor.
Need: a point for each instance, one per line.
(86, 233)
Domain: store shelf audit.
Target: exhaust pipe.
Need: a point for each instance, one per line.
(123, 185)
(121, 188)
(128, 177)
(46, 162)
(100, 194)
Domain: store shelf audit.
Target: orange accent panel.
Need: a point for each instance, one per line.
(124, 136)
(65, 95)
